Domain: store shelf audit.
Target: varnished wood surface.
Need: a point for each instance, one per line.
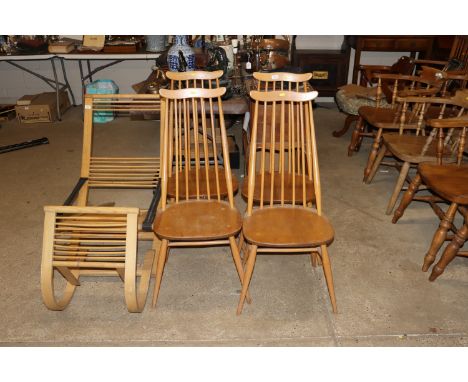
(288, 188)
(449, 181)
(409, 148)
(287, 227)
(204, 185)
(198, 220)
(383, 118)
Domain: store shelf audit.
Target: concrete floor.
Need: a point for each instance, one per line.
(383, 297)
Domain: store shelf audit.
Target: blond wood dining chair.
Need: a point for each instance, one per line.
(268, 131)
(203, 80)
(197, 215)
(286, 227)
(82, 240)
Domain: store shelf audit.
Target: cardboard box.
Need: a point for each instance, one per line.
(41, 108)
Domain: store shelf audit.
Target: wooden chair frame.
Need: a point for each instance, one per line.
(186, 109)
(306, 164)
(427, 84)
(447, 146)
(73, 256)
(272, 82)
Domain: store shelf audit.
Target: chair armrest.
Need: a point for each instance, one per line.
(448, 122)
(71, 198)
(147, 225)
(375, 67)
(457, 75)
(430, 62)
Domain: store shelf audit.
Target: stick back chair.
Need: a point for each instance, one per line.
(351, 97)
(197, 215)
(268, 138)
(428, 83)
(450, 182)
(412, 149)
(202, 80)
(286, 227)
(81, 240)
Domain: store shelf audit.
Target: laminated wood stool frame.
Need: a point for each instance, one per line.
(92, 241)
(102, 241)
(287, 227)
(197, 214)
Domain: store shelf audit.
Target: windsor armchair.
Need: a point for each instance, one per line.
(350, 98)
(205, 219)
(412, 149)
(286, 227)
(81, 240)
(427, 84)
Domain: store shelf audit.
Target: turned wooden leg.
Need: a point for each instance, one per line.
(358, 129)
(247, 277)
(439, 236)
(348, 121)
(373, 154)
(450, 252)
(407, 198)
(328, 277)
(376, 164)
(398, 186)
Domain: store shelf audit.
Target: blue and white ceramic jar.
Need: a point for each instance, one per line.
(181, 48)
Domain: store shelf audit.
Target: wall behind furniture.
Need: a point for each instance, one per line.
(15, 83)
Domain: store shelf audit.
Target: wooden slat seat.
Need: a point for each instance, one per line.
(409, 148)
(198, 220)
(203, 184)
(288, 188)
(449, 181)
(124, 172)
(293, 227)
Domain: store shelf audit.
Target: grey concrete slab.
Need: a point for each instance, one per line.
(383, 297)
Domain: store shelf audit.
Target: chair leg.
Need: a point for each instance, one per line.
(247, 277)
(373, 153)
(348, 121)
(376, 164)
(450, 252)
(398, 186)
(159, 270)
(241, 244)
(407, 198)
(315, 259)
(48, 273)
(439, 236)
(358, 129)
(238, 263)
(328, 276)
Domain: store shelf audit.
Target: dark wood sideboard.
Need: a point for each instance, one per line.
(412, 44)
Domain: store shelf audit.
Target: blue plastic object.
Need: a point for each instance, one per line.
(102, 87)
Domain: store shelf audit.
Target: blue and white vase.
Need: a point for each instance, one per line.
(180, 48)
